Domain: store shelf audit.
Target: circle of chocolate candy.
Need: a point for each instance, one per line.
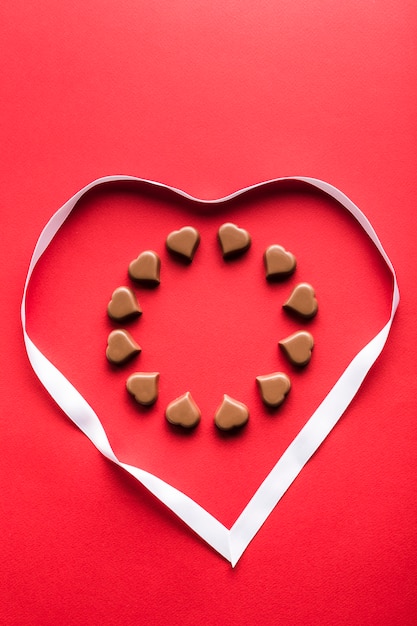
(273, 387)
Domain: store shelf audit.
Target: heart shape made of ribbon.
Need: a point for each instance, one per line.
(230, 543)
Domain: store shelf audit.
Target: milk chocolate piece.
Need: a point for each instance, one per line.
(184, 242)
(231, 414)
(144, 387)
(123, 305)
(233, 240)
(121, 347)
(273, 388)
(279, 263)
(146, 269)
(302, 301)
(183, 411)
(297, 347)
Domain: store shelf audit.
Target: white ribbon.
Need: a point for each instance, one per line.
(230, 543)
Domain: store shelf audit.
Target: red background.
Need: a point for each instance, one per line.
(208, 97)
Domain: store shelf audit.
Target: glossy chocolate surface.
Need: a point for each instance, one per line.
(146, 269)
(273, 388)
(302, 301)
(123, 305)
(231, 414)
(121, 347)
(143, 386)
(234, 241)
(279, 263)
(297, 347)
(183, 411)
(184, 242)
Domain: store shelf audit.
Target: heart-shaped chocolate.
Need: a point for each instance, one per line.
(123, 305)
(302, 301)
(279, 263)
(146, 269)
(183, 411)
(273, 388)
(231, 414)
(233, 240)
(143, 386)
(184, 242)
(121, 347)
(297, 347)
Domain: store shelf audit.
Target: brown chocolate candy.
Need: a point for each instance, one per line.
(279, 263)
(302, 301)
(146, 269)
(121, 347)
(233, 240)
(123, 305)
(273, 388)
(183, 411)
(297, 347)
(143, 386)
(184, 242)
(231, 414)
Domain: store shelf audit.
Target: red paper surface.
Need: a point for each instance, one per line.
(208, 99)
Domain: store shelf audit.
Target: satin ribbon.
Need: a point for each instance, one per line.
(230, 543)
